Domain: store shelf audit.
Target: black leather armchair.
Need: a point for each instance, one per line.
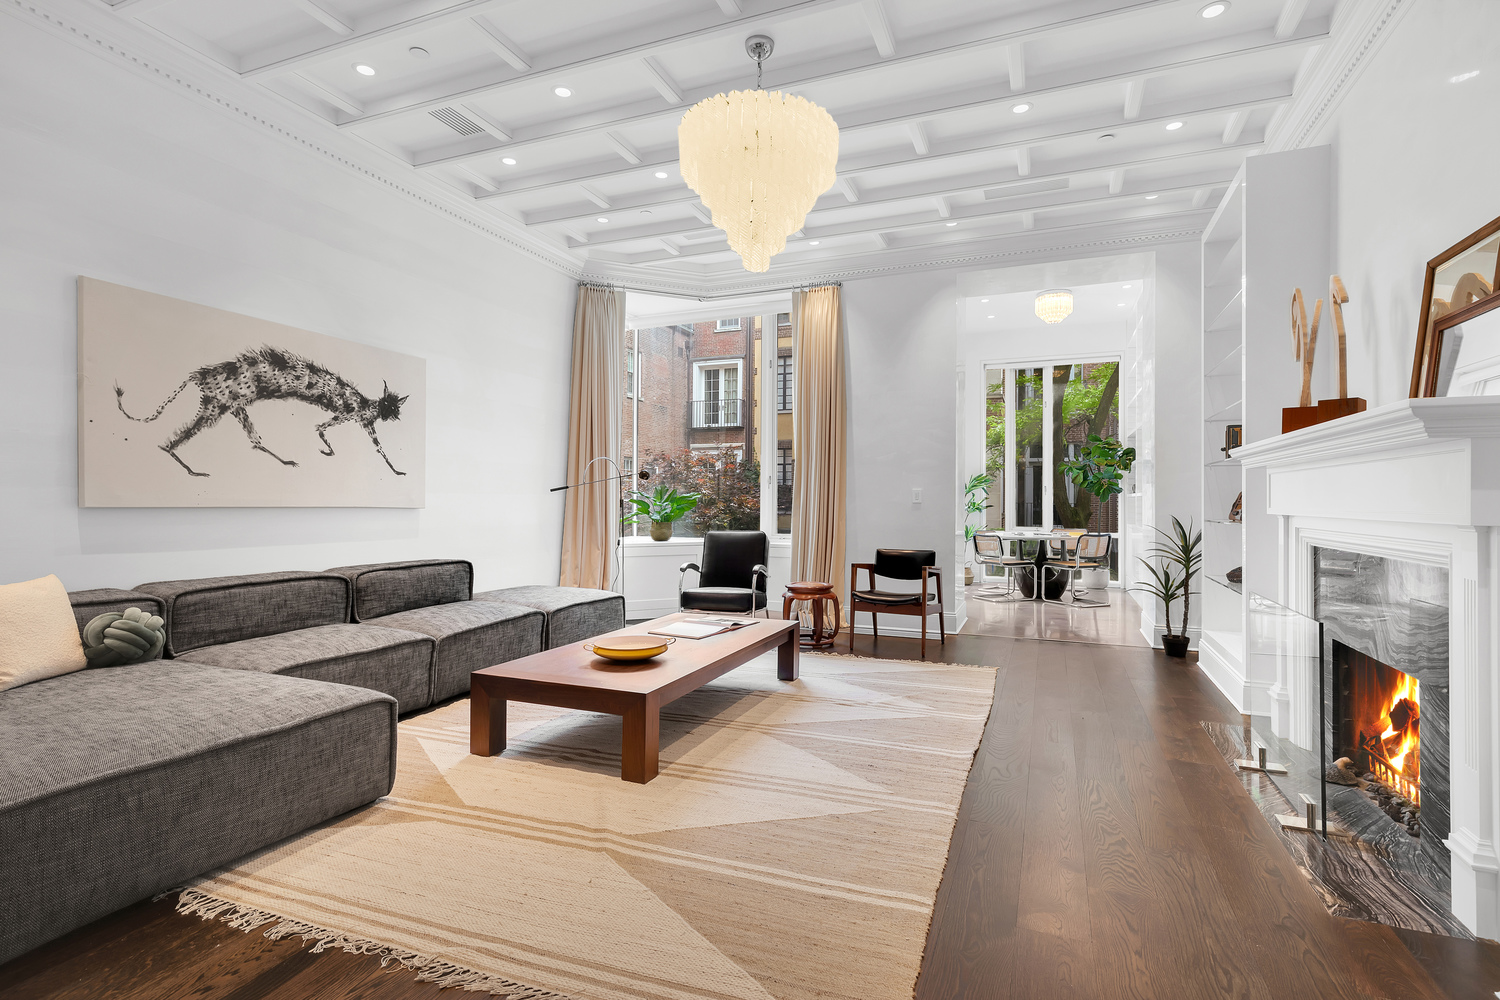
(899, 564)
(732, 577)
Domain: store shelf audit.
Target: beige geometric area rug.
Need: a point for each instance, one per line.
(790, 848)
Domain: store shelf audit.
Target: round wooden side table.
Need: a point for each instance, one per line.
(818, 596)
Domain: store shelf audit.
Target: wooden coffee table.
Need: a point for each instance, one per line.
(571, 677)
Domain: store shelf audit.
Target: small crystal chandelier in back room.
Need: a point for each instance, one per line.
(759, 161)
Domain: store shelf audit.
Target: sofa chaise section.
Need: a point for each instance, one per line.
(387, 660)
(573, 614)
(123, 782)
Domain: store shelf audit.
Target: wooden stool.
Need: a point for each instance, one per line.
(817, 595)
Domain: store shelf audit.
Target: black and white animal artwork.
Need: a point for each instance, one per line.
(230, 388)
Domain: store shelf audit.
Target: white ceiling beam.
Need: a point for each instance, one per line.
(1135, 93)
(731, 8)
(1097, 198)
(503, 46)
(880, 28)
(477, 177)
(1023, 160)
(846, 187)
(1015, 60)
(981, 183)
(874, 166)
(1292, 12)
(918, 138)
(881, 241)
(944, 207)
(1028, 221)
(325, 17)
(704, 215)
(1200, 197)
(816, 71)
(664, 84)
(1224, 50)
(625, 149)
(329, 93)
(1116, 181)
(1235, 126)
(487, 123)
(137, 7)
(594, 196)
(669, 247)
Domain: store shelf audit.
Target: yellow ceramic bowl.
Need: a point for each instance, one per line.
(630, 648)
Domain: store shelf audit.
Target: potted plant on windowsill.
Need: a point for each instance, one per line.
(1180, 557)
(661, 507)
(976, 501)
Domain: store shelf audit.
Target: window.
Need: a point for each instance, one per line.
(724, 325)
(784, 469)
(630, 371)
(784, 383)
(783, 319)
(716, 394)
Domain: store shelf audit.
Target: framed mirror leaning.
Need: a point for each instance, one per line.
(1467, 354)
(1460, 286)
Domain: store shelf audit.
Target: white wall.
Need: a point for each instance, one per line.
(1415, 165)
(111, 174)
(902, 351)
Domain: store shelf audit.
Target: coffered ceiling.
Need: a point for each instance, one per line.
(963, 123)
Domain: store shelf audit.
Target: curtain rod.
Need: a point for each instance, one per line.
(588, 283)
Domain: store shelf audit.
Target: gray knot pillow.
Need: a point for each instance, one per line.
(115, 639)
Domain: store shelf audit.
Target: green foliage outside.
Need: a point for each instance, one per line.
(727, 487)
(1093, 399)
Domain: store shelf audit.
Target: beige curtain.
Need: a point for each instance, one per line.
(818, 438)
(591, 513)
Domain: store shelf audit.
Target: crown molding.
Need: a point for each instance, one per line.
(95, 29)
(1359, 29)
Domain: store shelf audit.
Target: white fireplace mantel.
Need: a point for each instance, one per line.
(1417, 480)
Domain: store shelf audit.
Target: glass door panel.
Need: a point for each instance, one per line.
(1030, 402)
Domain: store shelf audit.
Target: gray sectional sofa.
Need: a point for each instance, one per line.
(274, 711)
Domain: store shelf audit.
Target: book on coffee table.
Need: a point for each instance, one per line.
(701, 628)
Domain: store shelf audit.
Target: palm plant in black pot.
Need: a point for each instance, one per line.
(1178, 558)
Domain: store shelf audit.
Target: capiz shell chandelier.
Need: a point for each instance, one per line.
(758, 161)
(1054, 305)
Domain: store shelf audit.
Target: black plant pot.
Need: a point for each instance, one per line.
(1175, 645)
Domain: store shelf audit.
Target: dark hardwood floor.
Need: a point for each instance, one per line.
(1102, 850)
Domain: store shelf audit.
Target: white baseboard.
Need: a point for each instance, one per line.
(951, 622)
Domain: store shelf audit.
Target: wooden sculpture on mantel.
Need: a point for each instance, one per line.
(1304, 344)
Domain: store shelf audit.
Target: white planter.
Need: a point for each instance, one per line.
(1095, 579)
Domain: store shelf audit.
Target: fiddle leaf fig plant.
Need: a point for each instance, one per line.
(1100, 467)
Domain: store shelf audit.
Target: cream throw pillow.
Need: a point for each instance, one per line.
(43, 634)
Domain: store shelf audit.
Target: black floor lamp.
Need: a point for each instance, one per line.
(643, 475)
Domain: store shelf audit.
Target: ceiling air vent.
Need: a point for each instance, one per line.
(456, 121)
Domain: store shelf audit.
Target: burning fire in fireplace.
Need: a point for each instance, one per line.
(1396, 750)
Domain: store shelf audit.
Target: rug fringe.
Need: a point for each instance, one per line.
(195, 902)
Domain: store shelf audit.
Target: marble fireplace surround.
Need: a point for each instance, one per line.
(1415, 481)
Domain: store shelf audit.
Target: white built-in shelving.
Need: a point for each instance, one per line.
(1268, 236)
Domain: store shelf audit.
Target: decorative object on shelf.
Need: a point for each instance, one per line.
(1054, 305)
(1236, 575)
(1304, 347)
(1234, 436)
(116, 638)
(1237, 509)
(330, 438)
(1305, 340)
(1332, 409)
(1460, 286)
(1469, 355)
(1179, 558)
(976, 501)
(661, 507)
(1099, 470)
(759, 161)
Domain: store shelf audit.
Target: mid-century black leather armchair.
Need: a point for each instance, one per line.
(733, 574)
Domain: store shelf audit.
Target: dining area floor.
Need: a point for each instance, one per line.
(1116, 624)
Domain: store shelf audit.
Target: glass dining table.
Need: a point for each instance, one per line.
(1043, 551)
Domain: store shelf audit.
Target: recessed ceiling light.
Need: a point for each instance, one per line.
(1173, 126)
(989, 317)
(813, 243)
(1121, 304)
(1021, 108)
(661, 175)
(1106, 137)
(417, 52)
(950, 223)
(562, 91)
(601, 219)
(1124, 286)
(1214, 9)
(364, 70)
(509, 161)
(1150, 197)
(1460, 78)
(984, 300)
